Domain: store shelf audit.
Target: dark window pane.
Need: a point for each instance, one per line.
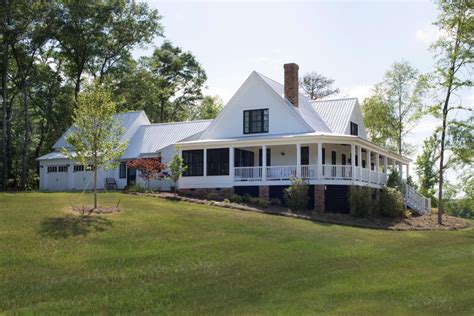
(304, 156)
(123, 170)
(193, 159)
(256, 121)
(218, 162)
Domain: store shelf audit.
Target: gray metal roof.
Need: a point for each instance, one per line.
(336, 113)
(154, 137)
(304, 109)
(131, 121)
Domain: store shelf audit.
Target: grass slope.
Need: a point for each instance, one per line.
(161, 256)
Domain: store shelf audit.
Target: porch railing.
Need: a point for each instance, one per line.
(327, 172)
(337, 172)
(281, 172)
(248, 173)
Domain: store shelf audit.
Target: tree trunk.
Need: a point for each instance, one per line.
(95, 187)
(5, 100)
(441, 157)
(26, 141)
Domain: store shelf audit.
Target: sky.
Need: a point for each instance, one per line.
(352, 42)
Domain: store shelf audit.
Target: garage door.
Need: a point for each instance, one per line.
(57, 177)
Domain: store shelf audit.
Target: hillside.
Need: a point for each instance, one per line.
(160, 256)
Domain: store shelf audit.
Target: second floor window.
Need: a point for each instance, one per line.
(256, 121)
(354, 129)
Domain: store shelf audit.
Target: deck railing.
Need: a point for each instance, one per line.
(248, 173)
(310, 172)
(416, 201)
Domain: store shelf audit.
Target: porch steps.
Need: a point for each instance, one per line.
(415, 201)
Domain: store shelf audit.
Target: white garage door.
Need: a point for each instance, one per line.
(57, 177)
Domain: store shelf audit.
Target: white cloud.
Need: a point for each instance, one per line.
(428, 34)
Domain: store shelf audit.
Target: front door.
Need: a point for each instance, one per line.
(131, 176)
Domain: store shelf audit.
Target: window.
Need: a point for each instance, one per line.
(193, 159)
(63, 168)
(343, 160)
(354, 129)
(333, 157)
(256, 121)
(52, 169)
(78, 168)
(363, 163)
(218, 162)
(269, 157)
(304, 156)
(324, 156)
(123, 170)
(243, 158)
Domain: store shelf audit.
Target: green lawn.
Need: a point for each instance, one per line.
(161, 256)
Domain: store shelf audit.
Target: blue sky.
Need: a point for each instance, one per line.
(351, 42)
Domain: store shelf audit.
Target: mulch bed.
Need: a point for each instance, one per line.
(425, 222)
(90, 210)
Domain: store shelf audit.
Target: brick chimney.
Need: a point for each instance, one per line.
(291, 83)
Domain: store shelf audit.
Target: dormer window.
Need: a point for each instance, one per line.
(354, 129)
(256, 121)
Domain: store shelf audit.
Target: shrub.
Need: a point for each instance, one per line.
(296, 196)
(246, 198)
(391, 203)
(260, 202)
(226, 201)
(135, 188)
(461, 208)
(213, 196)
(235, 198)
(360, 201)
(275, 201)
(394, 180)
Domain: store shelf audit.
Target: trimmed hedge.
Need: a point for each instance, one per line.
(360, 201)
(391, 203)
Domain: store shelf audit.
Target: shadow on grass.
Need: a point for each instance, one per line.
(70, 226)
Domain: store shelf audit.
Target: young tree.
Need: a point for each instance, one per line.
(95, 135)
(317, 86)
(150, 168)
(176, 167)
(396, 106)
(454, 55)
(426, 166)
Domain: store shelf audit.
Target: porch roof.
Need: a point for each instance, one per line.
(302, 138)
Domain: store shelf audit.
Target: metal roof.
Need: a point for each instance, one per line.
(154, 137)
(129, 120)
(336, 113)
(304, 109)
(52, 155)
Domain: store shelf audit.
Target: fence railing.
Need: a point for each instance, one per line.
(281, 172)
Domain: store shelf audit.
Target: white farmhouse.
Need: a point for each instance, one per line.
(266, 134)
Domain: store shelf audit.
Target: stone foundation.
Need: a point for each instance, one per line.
(319, 199)
(219, 193)
(264, 192)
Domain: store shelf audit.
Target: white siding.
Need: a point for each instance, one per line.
(255, 94)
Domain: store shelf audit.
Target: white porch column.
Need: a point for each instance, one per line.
(353, 161)
(377, 167)
(264, 162)
(319, 162)
(298, 160)
(408, 170)
(369, 160)
(359, 161)
(231, 163)
(204, 165)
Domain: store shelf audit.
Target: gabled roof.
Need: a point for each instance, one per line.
(152, 138)
(336, 113)
(304, 109)
(131, 121)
